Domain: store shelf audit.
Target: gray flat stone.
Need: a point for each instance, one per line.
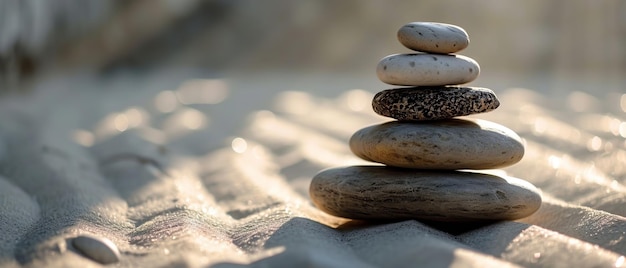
(440, 144)
(383, 193)
(421, 69)
(99, 249)
(433, 37)
(432, 103)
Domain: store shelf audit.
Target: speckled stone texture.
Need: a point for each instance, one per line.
(440, 144)
(422, 69)
(432, 103)
(377, 192)
(433, 37)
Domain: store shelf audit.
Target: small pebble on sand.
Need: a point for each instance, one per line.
(97, 248)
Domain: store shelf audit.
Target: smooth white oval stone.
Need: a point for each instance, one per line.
(422, 69)
(440, 144)
(99, 249)
(385, 193)
(433, 37)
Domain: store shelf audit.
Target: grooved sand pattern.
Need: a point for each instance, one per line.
(170, 195)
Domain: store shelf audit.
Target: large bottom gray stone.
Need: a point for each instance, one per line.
(385, 193)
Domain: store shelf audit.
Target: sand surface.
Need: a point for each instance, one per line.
(215, 173)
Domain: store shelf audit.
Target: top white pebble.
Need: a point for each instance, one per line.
(433, 37)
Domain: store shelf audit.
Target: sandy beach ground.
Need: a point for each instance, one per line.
(184, 169)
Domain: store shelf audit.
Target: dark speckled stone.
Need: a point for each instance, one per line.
(384, 193)
(433, 103)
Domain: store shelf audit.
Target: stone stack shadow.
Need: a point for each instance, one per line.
(431, 155)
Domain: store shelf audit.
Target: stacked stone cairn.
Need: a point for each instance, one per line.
(430, 154)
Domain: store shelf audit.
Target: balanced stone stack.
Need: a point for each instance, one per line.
(430, 155)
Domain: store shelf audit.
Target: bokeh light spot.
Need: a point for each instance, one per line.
(554, 161)
(239, 145)
(121, 122)
(193, 119)
(594, 144)
(83, 137)
(165, 101)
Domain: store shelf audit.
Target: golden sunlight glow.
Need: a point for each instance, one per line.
(259, 152)
(202, 91)
(83, 137)
(554, 161)
(622, 129)
(540, 125)
(614, 126)
(599, 122)
(294, 102)
(528, 113)
(239, 145)
(594, 144)
(165, 101)
(580, 102)
(619, 262)
(577, 179)
(357, 99)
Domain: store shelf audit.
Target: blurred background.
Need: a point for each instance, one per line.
(546, 45)
(223, 110)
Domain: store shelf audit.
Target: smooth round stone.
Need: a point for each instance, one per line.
(378, 192)
(99, 249)
(420, 69)
(432, 103)
(440, 144)
(433, 37)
